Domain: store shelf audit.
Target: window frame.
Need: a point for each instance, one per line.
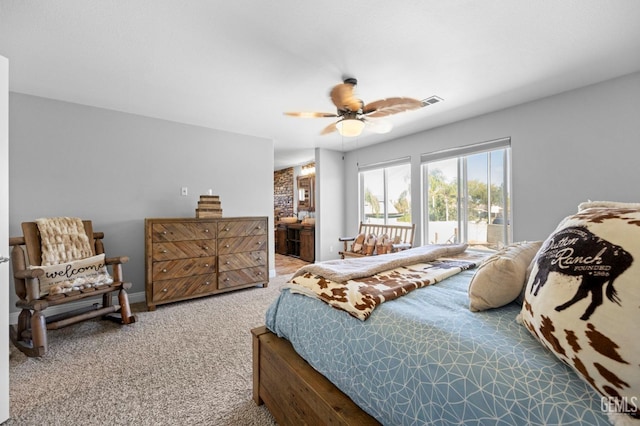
(461, 154)
(384, 166)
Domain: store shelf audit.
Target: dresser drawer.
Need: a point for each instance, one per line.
(183, 231)
(240, 277)
(183, 288)
(242, 244)
(239, 228)
(183, 249)
(183, 268)
(228, 262)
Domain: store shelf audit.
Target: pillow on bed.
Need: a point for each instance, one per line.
(582, 300)
(501, 277)
(607, 205)
(520, 298)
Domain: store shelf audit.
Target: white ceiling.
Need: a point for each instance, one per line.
(238, 65)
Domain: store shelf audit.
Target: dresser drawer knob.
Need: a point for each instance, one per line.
(206, 230)
(164, 232)
(258, 227)
(227, 263)
(259, 242)
(205, 248)
(227, 279)
(164, 290)
(206, 265)
(164, 251)
(227, 246)
(164, 270)
(207, 282)
(226, 228)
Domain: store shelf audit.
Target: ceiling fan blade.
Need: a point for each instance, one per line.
(378, 126)
(310, 114)
(343, 98)
(329, 129)
(389, 106)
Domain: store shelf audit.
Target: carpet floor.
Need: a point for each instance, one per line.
(187, 363)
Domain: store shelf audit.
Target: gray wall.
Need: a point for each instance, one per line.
(568, 148)
(330, 206)
(116, 169)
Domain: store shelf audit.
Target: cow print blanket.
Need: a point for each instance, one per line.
(361, 293)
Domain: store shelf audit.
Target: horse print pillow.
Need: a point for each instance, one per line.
(582, 300)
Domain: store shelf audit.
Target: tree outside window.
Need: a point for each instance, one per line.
(387, 195)
(467, 199)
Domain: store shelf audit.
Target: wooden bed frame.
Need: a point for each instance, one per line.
(293, 391)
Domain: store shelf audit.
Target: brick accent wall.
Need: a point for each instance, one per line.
(283, 193)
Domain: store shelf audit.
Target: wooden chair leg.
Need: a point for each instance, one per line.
(30, 334)
(39, 331)
(125, 309)
(106, 300)
(24, 322)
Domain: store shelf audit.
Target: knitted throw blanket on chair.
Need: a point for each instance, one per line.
(63, 239)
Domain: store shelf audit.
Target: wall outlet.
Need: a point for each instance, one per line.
(184, 191)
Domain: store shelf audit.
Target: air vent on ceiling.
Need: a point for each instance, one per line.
(431, 100)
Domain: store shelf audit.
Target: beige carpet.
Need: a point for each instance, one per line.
(187, 363)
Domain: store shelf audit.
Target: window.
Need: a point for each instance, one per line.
(467, 195)
(385, 193)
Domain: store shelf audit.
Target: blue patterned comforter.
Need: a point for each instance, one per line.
(426, 359)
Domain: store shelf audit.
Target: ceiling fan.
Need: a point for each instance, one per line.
(354, 115)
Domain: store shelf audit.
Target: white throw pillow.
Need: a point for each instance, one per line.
(75, 275)
(582, 300)
(607, 205)
(501, 277)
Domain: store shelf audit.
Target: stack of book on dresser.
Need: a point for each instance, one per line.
(209, 206)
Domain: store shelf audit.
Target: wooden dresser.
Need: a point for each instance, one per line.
(189, 257)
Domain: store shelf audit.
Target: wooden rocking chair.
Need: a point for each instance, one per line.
(30, 334)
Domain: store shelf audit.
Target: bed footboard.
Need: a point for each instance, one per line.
(293, 391)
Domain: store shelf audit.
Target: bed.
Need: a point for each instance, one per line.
(422, 358)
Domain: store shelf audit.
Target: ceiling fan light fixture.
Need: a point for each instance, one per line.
(350, 127)
(352, 113)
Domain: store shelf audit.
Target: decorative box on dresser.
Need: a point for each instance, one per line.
(187, 258)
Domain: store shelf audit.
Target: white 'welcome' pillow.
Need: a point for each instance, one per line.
(87, 272)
